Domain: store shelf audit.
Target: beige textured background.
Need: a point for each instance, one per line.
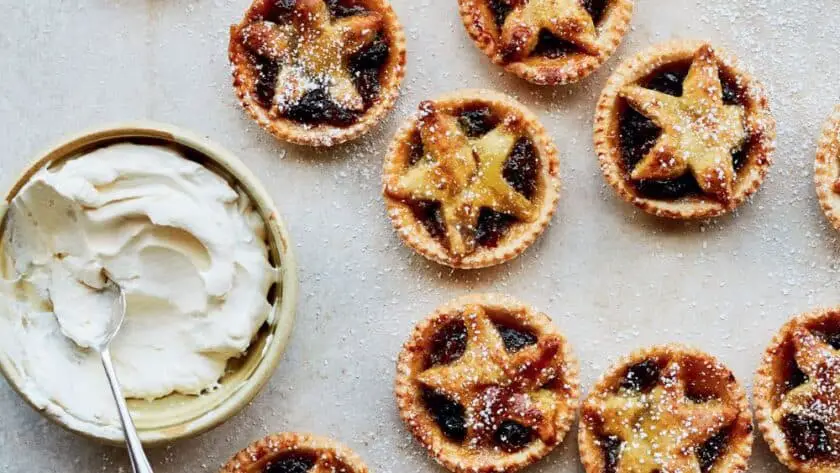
(613, 279)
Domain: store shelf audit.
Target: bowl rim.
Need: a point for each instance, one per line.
(283, 316)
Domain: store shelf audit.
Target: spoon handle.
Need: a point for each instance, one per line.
(139, 462)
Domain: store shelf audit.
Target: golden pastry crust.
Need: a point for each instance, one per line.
(536, 214)
(326, 455)
(701, 392)
(543, 374)
(797, 347)
(599, 42)
(827, 168)
(759, 124)
(245, 78)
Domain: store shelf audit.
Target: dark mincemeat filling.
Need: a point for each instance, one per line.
(317, 107)
(552, 47)
(500, 9)
(291, 463)
(639, 134)
(833, 339)
(449, 415)
(476, 121)
(520, 171)
(513, 436)
(641, 377)
(712, 449)
(809, 438)
(516, 338)
(596, 9)
(343, 9)
(549, 45)
(611, 446)
(448, 345)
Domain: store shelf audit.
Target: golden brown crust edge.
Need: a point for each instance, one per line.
(760, 124)
(322, 135)
(415, 236)
(255, 456)
(737, 458)
(826, 168)
(410, 410)
(567, 70)
(763, 392)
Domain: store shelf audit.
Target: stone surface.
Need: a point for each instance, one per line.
(612, 278)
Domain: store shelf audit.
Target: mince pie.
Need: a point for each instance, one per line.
(666, 409)
(317, 72)
(683, 131)
(487, 384)
(827, 168)
(797, 393)
(547, 41)
(471, 180)
(295, 453)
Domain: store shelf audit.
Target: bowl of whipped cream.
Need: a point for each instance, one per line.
(197, 246)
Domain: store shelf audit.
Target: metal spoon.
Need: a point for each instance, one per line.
(139, 462)
(113, 300)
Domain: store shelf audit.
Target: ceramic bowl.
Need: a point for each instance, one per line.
(179, 416)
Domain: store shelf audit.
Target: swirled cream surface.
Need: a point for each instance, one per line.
(188, 250)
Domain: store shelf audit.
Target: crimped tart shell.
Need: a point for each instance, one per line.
(520, 235)
(322, 135)
(255, 457)
(481, 27)
(424, 428)
(761, 128)
(770, 378)
(827, 168)
(740, 448)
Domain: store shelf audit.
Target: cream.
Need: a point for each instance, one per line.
(188, 250)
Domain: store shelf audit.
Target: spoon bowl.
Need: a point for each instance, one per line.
(115, 297)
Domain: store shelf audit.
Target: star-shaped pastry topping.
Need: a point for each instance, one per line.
(565, 19)
(312, 51)
(660, 430)
(699, 132)
(495, 386)
(818, 399)
(463, 175)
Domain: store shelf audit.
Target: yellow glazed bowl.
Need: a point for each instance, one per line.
(180, 416)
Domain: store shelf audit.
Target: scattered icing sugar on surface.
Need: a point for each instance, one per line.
(612, 278)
